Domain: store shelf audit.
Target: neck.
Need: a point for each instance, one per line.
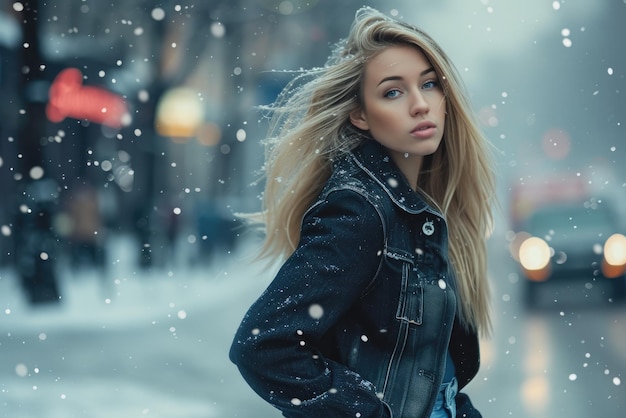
(409, 165)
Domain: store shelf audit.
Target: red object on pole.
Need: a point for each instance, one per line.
(69, 98)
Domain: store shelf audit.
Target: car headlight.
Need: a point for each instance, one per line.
(534, 254)
(615, 250)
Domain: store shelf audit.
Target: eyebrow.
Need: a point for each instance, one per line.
(397, 77)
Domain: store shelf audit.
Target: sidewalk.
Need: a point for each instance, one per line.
(131, 343)
(126, 295)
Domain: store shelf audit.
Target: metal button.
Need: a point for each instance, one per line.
(428, 228)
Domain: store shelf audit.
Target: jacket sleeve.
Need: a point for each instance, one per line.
(464, 407)
(276, 345)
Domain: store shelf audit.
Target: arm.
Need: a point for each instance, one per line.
(275, 346)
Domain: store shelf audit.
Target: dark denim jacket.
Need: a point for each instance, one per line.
(358, 319)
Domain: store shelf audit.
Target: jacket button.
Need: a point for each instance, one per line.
(428, 228)
(442, 284)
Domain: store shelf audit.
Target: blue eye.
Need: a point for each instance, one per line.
(430, 85)
(392, 94)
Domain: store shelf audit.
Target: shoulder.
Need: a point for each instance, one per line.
(348, 203)
(339, 227)
(345, 218)
(348, 178)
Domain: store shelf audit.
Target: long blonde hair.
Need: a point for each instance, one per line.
(310, 127)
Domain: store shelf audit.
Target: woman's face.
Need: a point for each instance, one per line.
(403, 103)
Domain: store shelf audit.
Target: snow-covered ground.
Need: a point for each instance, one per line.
(129, 342)
(126, 295)
(133, 343)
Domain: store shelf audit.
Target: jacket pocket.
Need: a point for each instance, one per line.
(411, 303)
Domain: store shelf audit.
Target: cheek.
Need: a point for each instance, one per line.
(442, 104)
(437, 102)
(380, 127)
(382, 116)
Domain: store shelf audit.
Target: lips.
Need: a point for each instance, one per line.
(424, 130)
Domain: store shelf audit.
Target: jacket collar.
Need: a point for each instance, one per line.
(374, 159)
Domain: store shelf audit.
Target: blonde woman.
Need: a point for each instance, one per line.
(378, 198)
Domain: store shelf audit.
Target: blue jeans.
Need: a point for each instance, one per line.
(445, 405)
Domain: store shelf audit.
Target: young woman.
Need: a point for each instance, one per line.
(378, 198)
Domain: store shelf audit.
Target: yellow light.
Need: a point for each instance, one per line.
(516, 243)
(534, 254)
(179, 113)
(615, 250)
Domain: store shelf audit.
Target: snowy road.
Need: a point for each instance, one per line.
(565, 360)
(155, 345)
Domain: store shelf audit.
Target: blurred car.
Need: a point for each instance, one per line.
(569, 242)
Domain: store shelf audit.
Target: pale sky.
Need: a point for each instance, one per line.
(472, 30)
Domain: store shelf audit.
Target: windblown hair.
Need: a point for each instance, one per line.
(310, 127)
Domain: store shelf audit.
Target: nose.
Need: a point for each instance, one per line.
(418, 102)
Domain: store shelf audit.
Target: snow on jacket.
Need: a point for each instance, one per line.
(358, 320)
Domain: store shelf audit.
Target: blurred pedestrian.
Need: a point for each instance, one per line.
(87, 233)
(378, 195)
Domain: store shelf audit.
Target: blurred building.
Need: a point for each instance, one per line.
(187, 144)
